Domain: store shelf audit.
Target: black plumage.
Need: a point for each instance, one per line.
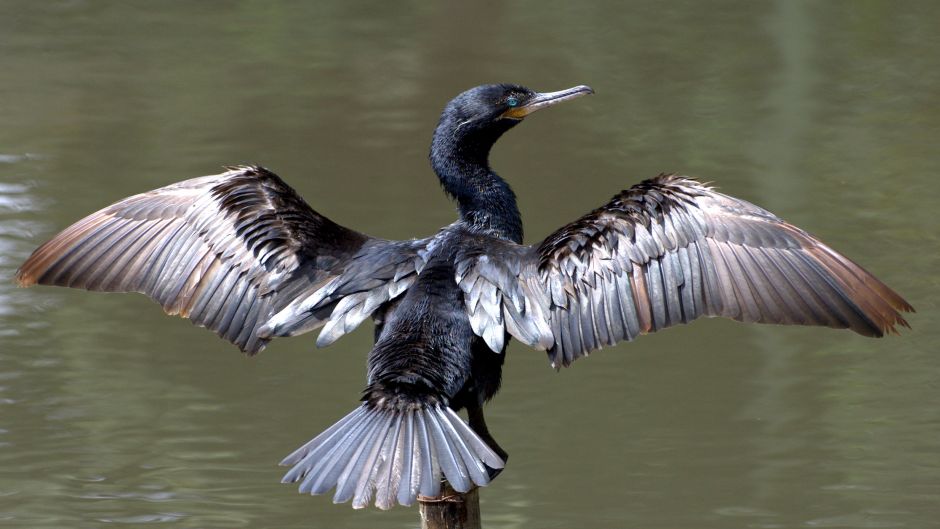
(243, 255)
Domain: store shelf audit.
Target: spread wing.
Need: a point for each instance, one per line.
(664, 252)
(230, 252)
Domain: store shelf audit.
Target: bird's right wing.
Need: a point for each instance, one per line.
(664, 252)
(240, 253)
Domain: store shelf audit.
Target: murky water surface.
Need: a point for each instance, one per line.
(824, 112)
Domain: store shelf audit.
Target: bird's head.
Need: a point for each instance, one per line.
(470, 125)
(486, 111)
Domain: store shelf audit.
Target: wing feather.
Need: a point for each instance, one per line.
(230, 252)
(668, 251)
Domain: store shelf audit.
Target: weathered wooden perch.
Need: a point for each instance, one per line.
(451, 510)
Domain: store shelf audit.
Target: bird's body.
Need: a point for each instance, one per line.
(426, 338)
(242, 254)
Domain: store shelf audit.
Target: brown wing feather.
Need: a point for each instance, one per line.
(668, 251)
(226, 251)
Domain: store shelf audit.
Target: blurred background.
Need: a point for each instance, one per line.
(826, 113)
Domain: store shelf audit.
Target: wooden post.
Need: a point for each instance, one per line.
(451, 510)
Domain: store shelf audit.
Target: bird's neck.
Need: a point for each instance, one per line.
(485, 201)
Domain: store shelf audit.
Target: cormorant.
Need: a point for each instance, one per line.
(243, 255)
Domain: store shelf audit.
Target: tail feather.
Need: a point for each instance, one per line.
(330, 457)
(406, 462)
(394, 454)
(338, 461)
(390, 468)
(480, 469)
(426, 460)
(355, 481)
(321, 439)
(448, 458)
(475, 444)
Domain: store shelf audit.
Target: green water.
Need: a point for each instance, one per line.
(828, 113)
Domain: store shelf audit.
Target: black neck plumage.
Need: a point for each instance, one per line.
(460, 157)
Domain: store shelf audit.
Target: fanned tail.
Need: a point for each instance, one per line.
(396, 454)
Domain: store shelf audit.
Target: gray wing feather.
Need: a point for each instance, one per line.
(665, 252)
(379, 272)
(230, 252)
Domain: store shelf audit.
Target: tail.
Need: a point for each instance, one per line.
(397, 453)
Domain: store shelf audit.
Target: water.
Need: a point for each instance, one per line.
(826, 113)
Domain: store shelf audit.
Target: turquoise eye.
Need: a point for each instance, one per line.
(512, 101)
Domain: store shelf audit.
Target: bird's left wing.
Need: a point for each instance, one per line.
(240, 253)
(664, 252)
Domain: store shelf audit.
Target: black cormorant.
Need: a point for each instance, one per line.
(243, 255)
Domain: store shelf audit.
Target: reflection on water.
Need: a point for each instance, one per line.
(113, 414)
(15, 206)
